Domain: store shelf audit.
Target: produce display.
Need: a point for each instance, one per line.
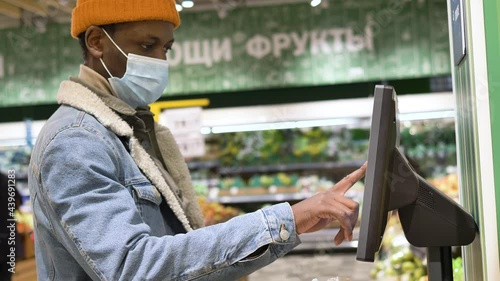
(257, 181)
(430, 146)
(15, 158)
(406, 266)
(214, 212)
(289, 146)
(447, 184)
(397, 261)
(402, 265)
(275, 183)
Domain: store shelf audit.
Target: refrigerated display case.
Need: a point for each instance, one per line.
(286, 153)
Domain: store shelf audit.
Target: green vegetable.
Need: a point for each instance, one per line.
(408, 266)
(419, 272)
(458, 270)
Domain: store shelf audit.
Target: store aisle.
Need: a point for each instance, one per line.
(320, 266)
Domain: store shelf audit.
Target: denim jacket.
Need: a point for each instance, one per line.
(98, 216)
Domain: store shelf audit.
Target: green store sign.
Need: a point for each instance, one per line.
(256, 47)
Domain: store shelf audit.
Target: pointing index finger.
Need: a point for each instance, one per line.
(348, 181)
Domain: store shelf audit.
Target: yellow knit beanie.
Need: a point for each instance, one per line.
(103, 12)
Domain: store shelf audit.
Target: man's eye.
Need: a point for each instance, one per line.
(147, 46)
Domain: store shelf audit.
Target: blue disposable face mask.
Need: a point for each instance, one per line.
(144, 80)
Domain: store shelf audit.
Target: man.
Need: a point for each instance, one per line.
(112, 197)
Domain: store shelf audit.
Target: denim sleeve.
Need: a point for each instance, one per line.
(95, 218)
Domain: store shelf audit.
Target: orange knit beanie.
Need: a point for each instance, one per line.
(102, 12)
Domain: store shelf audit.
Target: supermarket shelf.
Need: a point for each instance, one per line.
(273, 168)
(270, 198)
(197, 165)
(290, 167)
(279, 197)
(323, 240)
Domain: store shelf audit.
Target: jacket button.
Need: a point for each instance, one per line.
(284, 234)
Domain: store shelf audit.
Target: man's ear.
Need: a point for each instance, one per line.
(94, 37)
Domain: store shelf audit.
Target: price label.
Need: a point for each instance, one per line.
(190, 147)
(182, 120)
(185, 125)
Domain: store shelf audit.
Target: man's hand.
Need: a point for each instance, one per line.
(319, 210)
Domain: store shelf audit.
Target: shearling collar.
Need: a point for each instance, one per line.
(80, 97)
(100, 87)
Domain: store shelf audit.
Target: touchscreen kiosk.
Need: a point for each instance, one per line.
(429, 218)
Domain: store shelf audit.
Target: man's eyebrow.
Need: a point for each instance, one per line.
(158, 39)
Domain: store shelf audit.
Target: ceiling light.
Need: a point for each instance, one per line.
(205, 130)
(187, 4)
(315, 3)
(282, 125)
(178, 7)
